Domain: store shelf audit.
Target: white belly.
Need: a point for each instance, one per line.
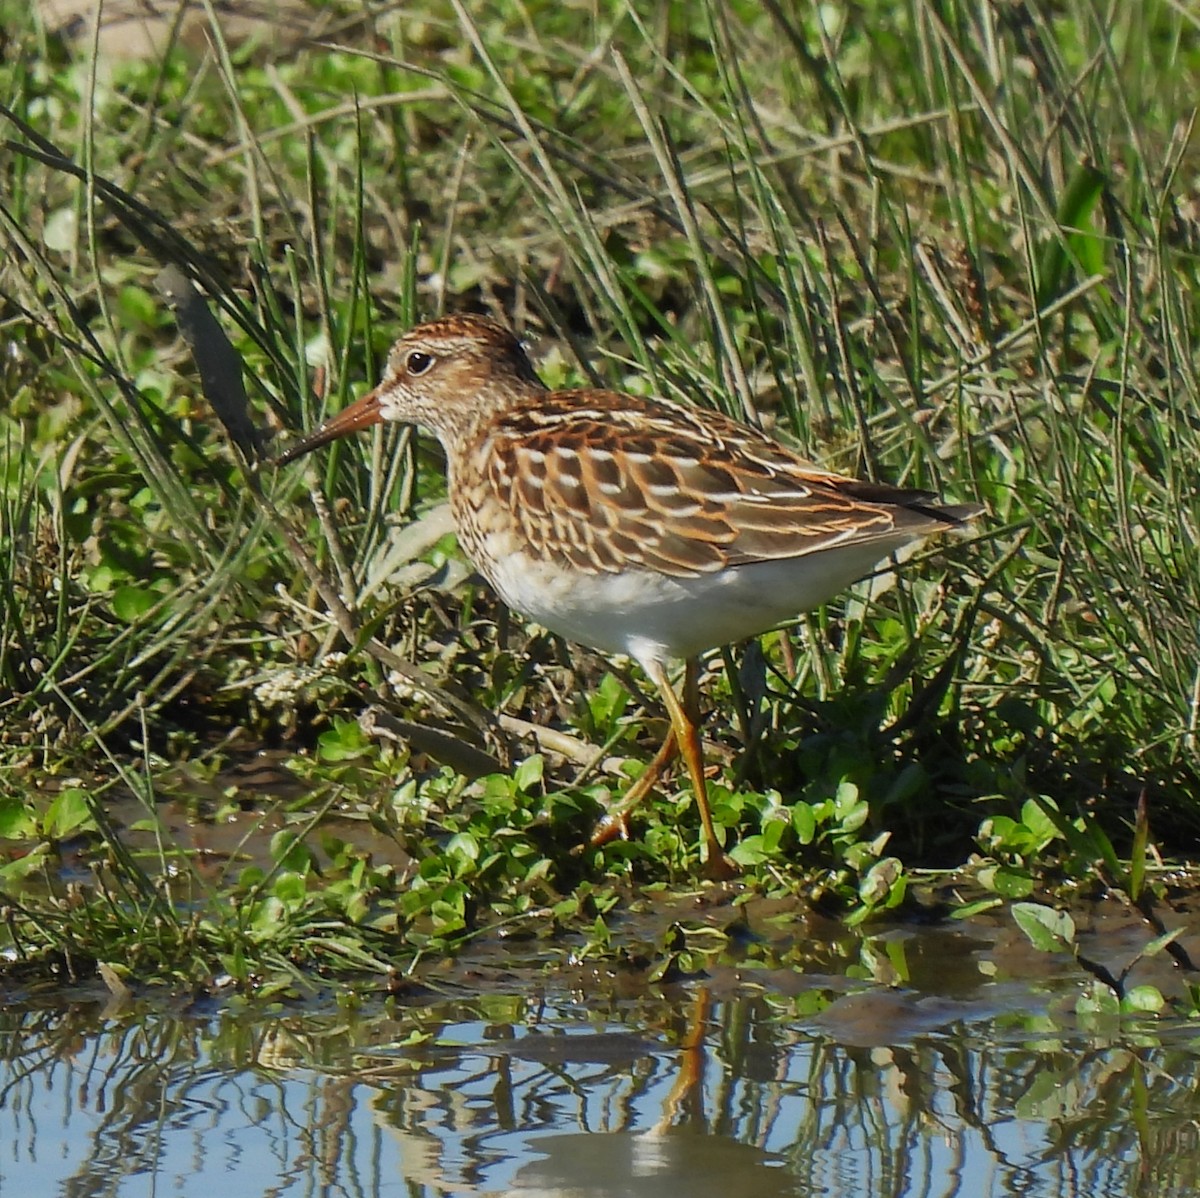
(653, 617)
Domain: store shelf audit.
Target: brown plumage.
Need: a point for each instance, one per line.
(632, 525)
(609, 480)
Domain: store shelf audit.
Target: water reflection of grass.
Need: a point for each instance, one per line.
(520, 1094)
(914, 257)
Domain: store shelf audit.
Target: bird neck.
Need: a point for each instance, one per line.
(460, 425)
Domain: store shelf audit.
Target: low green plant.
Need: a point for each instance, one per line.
(905, 251)
(1052, 930)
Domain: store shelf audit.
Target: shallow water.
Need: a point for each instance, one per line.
(673, 1092)
(802, 1057)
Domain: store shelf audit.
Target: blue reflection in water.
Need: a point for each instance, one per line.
(511, 1096)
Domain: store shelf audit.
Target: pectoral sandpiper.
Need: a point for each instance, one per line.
(632, 525)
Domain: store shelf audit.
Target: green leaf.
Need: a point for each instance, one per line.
(267, 916)
(447, 917)
(1041, 817)
(772, 833)
(1049, 931)
(137, 304)
(1012, 882)
(131, 602)
(750, 850)
(996, 833)
(600, 937)
(804, 822)
(853, 815)
(1160, 942)
(16, 820)
(1097, 1000)
(1073, 242)
(69, 812)
(289, 888)
(464, 846)
(289, 852)
(14, 872)
(529, 773)
(1143, 999)
(846, 797)
(345, 740)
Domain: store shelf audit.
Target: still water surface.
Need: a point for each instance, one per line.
(680, 1092)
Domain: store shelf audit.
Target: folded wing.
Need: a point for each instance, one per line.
(607, 480)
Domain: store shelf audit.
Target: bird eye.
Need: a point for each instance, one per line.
(418, 362)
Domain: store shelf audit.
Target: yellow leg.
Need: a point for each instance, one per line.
(683, 722)
(615, 821)
(687, 1094)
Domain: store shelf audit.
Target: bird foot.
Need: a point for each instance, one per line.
(613, 825)
(719, 868)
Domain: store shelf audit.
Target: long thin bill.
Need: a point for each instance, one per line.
(362, 413)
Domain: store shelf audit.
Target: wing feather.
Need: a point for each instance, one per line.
(605, 480)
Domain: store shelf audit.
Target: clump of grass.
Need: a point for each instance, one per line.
(947, 247)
